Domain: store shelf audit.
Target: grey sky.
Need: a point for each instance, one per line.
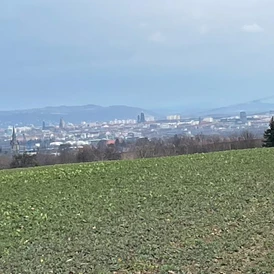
(149, 53)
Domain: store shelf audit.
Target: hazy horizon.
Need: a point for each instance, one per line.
(148, 54)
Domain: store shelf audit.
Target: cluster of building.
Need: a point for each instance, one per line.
(30, 139)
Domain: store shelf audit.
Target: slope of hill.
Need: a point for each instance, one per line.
(253, 107)
(73, 114)
(208, 213)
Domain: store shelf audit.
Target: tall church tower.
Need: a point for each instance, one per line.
(14, 142)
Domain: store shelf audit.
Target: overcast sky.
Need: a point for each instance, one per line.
(147, 53)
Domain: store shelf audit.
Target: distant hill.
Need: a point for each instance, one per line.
(259, 106)
(253, 107)
(72, 114)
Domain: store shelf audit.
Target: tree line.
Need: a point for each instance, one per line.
(142, 148)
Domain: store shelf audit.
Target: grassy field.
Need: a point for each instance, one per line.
(211, 213)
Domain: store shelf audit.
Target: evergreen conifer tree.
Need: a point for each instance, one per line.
(269, 135)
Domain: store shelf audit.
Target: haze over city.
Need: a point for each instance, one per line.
(150, 54)
(136, 136)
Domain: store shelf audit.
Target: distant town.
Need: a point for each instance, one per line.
(49, 137)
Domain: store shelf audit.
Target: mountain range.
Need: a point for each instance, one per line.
(251, 108)
(93, 113)
(72, 114)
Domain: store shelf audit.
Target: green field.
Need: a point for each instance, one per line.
(207, 213)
